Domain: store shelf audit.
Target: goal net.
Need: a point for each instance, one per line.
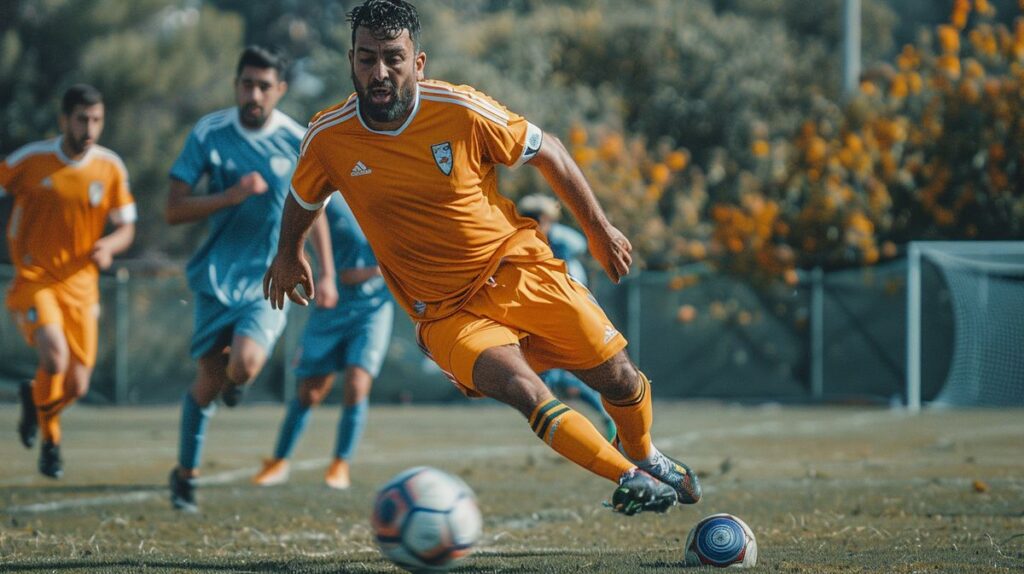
(985, 281)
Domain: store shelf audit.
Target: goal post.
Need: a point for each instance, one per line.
(986, 285)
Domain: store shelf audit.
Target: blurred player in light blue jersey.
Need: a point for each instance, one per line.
(351, 336)
(568, 245)
(247, 154)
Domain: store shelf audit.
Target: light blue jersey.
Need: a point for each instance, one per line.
(242, 239)
(226, 273)
(568, 244)
(357, 331)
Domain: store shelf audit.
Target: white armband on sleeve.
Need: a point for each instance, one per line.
(307, 205)
(534, 139)
(124, 214)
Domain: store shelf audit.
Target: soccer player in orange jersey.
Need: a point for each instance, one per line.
(416, 162)
(65, 190)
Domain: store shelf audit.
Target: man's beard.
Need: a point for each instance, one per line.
(76, 145)
(253, 121)
(386, 113)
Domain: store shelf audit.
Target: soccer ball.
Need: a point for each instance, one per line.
(721, 540)
(426, 520)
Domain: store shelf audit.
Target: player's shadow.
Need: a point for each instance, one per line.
(81, 489)
(255, 566)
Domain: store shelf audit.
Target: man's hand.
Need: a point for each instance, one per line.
(250, 184)
(283, 276)
(326, 292)
(101, 254)
(613, 251)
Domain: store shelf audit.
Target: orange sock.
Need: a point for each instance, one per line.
(575, 438)
(633, 417)
(48, 395)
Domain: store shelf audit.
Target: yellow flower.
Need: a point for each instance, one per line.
(611, 147)
(686, 314)
(949, 39)
(950, 65)
(677, 160)
(577, 135)
(584, 156)
(899, 88)
(660, 173)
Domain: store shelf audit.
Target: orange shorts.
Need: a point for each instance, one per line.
(35, 305)
(553, 318)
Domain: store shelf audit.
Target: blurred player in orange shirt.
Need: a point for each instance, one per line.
(65, 190)
(416, 162)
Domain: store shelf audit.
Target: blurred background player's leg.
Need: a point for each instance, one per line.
(197, 406)
(355, 404)
(48, 394)
(565, 384)
(312, 391)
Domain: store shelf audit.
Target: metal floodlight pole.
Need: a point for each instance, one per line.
(851, 46)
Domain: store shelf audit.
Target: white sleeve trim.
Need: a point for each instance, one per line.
(124, 214)
(305, 204)
(534, 139)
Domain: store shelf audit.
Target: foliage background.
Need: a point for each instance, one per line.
(713, 130)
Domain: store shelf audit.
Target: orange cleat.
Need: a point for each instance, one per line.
(337, 475)
(275, 471)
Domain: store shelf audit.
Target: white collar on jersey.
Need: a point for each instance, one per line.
(59, 151)
(269, 127)
(412, 114)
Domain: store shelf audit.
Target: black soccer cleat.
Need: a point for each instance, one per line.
(183, 492)
(28, 425)
(670, 471)
(641, 492)
(50, 463)
(233, 394)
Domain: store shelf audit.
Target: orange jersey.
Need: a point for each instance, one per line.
(60, 209)
(426, 195)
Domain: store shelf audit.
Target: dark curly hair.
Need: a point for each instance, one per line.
(386, 19)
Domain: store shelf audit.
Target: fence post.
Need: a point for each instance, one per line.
(122, 320)
(633, 316)
(914, 328)
(817, 333)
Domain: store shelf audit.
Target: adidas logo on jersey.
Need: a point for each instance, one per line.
(360, 169)
(609, 333)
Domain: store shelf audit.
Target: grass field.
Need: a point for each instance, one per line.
(826, 490)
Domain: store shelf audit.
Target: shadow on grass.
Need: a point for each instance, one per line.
(292, 566)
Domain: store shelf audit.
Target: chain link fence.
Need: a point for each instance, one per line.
(696, 333)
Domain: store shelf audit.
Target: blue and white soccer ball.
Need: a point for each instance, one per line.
(426, 520)
(721, 540)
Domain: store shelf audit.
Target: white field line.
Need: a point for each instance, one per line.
(765, 428)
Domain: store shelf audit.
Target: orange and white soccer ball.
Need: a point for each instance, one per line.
(426, 520)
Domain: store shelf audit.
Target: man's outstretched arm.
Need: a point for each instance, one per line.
(290, 268)
(607, 244)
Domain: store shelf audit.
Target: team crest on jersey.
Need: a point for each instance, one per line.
(95, 193)
(443, 157)
(280, 165)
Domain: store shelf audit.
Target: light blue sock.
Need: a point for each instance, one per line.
(295, 421)
(350, 428)
(193, 430)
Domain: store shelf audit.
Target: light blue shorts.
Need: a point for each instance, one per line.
(216, 324)
(338, 338)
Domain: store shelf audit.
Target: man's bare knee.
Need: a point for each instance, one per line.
(314, 390)
(242, 369)
(616, 379)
